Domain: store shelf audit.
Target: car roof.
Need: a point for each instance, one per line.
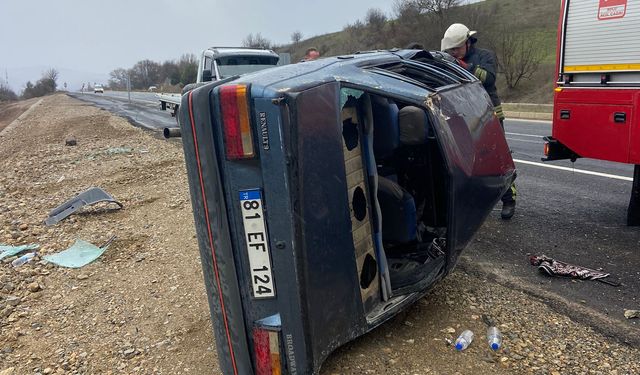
(347, 68)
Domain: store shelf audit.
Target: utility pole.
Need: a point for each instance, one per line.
(129, 86)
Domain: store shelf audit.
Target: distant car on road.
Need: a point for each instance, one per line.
(152, 88)
(98, 89)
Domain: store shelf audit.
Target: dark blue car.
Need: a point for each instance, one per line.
(330, 195)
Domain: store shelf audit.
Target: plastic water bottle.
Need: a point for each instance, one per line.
(494, 337)
(464, 340)
(23, 259)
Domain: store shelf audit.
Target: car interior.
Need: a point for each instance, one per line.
(406, 186)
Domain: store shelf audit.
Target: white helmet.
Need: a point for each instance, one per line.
(455, 36)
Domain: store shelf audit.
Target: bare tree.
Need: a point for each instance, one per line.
(145, 73)
(188, 66)
(118, 79)
(436, 6)
(519, 54)
(437, 10)
(376, 31)
(296, 37)
(51, 74)
(6, 93)
(375, 18)
(256, 41)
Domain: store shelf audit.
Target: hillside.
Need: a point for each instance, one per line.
(530, 23)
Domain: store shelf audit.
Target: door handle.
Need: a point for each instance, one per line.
(620, 117)
(565, 114)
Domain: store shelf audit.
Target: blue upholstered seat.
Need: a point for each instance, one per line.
(386, 136)
(399, 220)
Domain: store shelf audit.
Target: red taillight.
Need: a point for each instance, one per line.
(235, 118)
(266, 346)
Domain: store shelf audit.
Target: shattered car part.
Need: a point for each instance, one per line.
(329, 196)
(88, 197)
(8, 250)
(79, 254)
(554, 267)
(630, 314)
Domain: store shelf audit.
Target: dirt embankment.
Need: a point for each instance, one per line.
(12, 110)
(141, 307)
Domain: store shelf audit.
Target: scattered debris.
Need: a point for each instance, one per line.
(450, 330)
(8, 250)
(70, 141)
(110, 151)
(88, 197)
(78, 255)
(554, 267)
(489, 321)
(630, 314)
(26, 258)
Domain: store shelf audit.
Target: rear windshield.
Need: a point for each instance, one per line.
(234, 65)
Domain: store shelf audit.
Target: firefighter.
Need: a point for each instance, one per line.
(459, 42)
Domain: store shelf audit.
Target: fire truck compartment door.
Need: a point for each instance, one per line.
(594, 130)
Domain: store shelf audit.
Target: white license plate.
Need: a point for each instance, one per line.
(257, 243)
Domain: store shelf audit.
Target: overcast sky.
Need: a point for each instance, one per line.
(92, 36)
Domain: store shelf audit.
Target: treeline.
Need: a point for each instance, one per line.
(44, 86)
(521, 32)
(166, 75)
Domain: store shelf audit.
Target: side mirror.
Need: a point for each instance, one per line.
(206, 75)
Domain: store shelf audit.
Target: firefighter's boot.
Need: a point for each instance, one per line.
(508, 209)
(509, 202)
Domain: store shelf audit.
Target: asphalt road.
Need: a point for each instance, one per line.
(576, 214)
(570, 216)
(143, 110)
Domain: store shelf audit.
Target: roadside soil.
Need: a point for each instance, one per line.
(141, 307)
(10, 111)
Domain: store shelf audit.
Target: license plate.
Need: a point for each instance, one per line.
(257, 243)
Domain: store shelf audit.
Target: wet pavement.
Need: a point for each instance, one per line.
(143, 109)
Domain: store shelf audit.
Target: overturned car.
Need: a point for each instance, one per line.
(330, 195)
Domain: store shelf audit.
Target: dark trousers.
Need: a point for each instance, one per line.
(510, 195)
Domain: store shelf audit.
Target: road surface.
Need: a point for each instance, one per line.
(569, 215)
(143, 110)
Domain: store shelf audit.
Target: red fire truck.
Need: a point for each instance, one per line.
(597, 95)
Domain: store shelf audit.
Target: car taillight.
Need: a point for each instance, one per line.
(235, 118)
(266, 346)
(546, 149)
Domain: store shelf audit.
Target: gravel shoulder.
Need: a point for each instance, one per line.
(10, 111)
(141, 307)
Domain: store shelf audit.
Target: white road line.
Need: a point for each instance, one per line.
(574, 170)
(525, 135)
(525, 141)
(527, 120)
